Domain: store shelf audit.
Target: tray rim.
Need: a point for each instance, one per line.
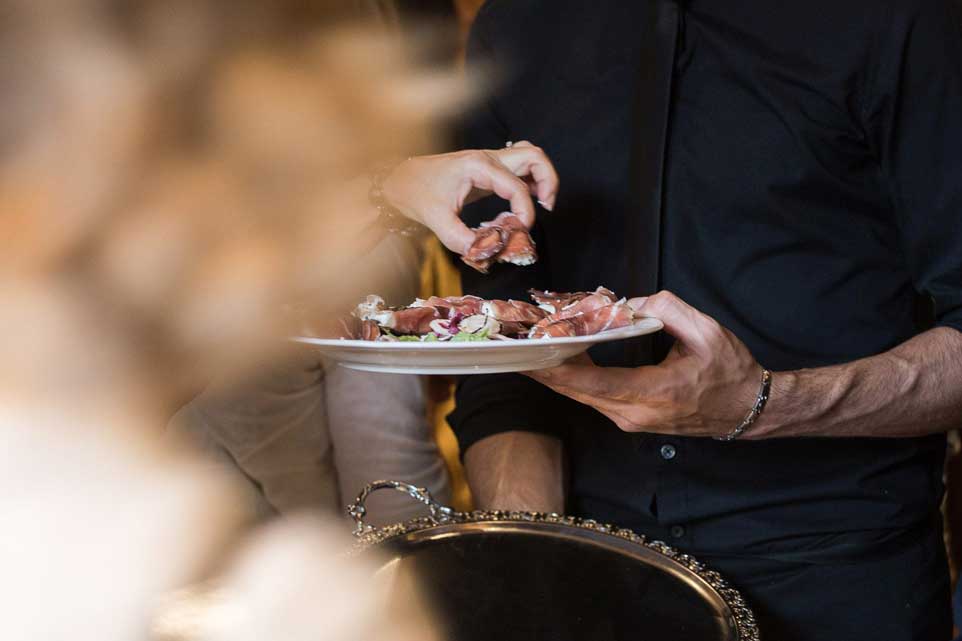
(710, 583)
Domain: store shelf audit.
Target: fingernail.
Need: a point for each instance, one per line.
(546, 205)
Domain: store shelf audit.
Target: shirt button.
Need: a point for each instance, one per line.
(677, 531)
(668, 452)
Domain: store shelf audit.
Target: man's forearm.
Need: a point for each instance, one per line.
(912, 390)
(516, 471)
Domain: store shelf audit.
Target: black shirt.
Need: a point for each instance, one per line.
(793, 169)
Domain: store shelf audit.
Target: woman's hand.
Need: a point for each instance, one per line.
(433, 190)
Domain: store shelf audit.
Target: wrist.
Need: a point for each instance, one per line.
(384, 197)
(775, 420)
(763, 384)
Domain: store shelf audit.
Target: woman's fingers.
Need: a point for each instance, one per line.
(434, 189)
(453, 234)
(526, 160)
(486, 172)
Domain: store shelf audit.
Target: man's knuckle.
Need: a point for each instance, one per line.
(666, 295)
(712, 329)
(662, 299)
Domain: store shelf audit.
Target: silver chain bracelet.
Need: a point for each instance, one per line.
(763, 391)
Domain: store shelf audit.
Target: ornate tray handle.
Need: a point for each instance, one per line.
(439, 513)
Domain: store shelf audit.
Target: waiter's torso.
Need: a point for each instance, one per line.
(773, 218)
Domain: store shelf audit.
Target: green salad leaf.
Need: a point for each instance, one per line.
(427, 338)
(465, 337)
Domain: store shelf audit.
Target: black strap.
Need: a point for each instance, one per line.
(660, 33)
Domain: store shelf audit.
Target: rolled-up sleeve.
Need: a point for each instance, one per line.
(915, 116)
(490, 404)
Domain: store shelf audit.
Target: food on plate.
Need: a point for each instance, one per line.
(579, 306)
(505, 240)
(469, 318)
(587, 323)
(513, 311)
(554, 302)
(365, 330)
(466, 305)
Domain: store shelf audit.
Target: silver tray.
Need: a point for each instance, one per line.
(531, 576)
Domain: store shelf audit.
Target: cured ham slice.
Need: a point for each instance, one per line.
(357, 329)
(488, 242)
(504, 239)
(464, 305)
(518, 244)
(513, 311)
(556, 302)
(585, 305)
(408, 321)
(597, 320)
(469, 318)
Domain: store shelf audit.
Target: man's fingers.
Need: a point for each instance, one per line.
(681, 320)
(558, 382)
(581, 359)
(525, 160)
(627, 415)
(602, 383)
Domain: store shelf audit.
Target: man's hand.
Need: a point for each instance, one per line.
(705, 387)
(434, 189)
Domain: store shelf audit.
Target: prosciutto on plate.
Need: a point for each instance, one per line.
(447, 307)
(469, 318)
(592, 321)
(557, 303)
(365, 330)
(405, 321)
(513, 311)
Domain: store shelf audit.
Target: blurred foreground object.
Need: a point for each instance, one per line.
(178, 169)
(171, 173)
(97, 520)
(295, 583)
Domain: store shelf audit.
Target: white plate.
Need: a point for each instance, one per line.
(488, 357)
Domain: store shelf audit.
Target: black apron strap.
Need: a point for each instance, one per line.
(659, 35)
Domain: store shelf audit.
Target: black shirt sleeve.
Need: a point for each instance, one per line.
(490, 404)
(915, 120)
